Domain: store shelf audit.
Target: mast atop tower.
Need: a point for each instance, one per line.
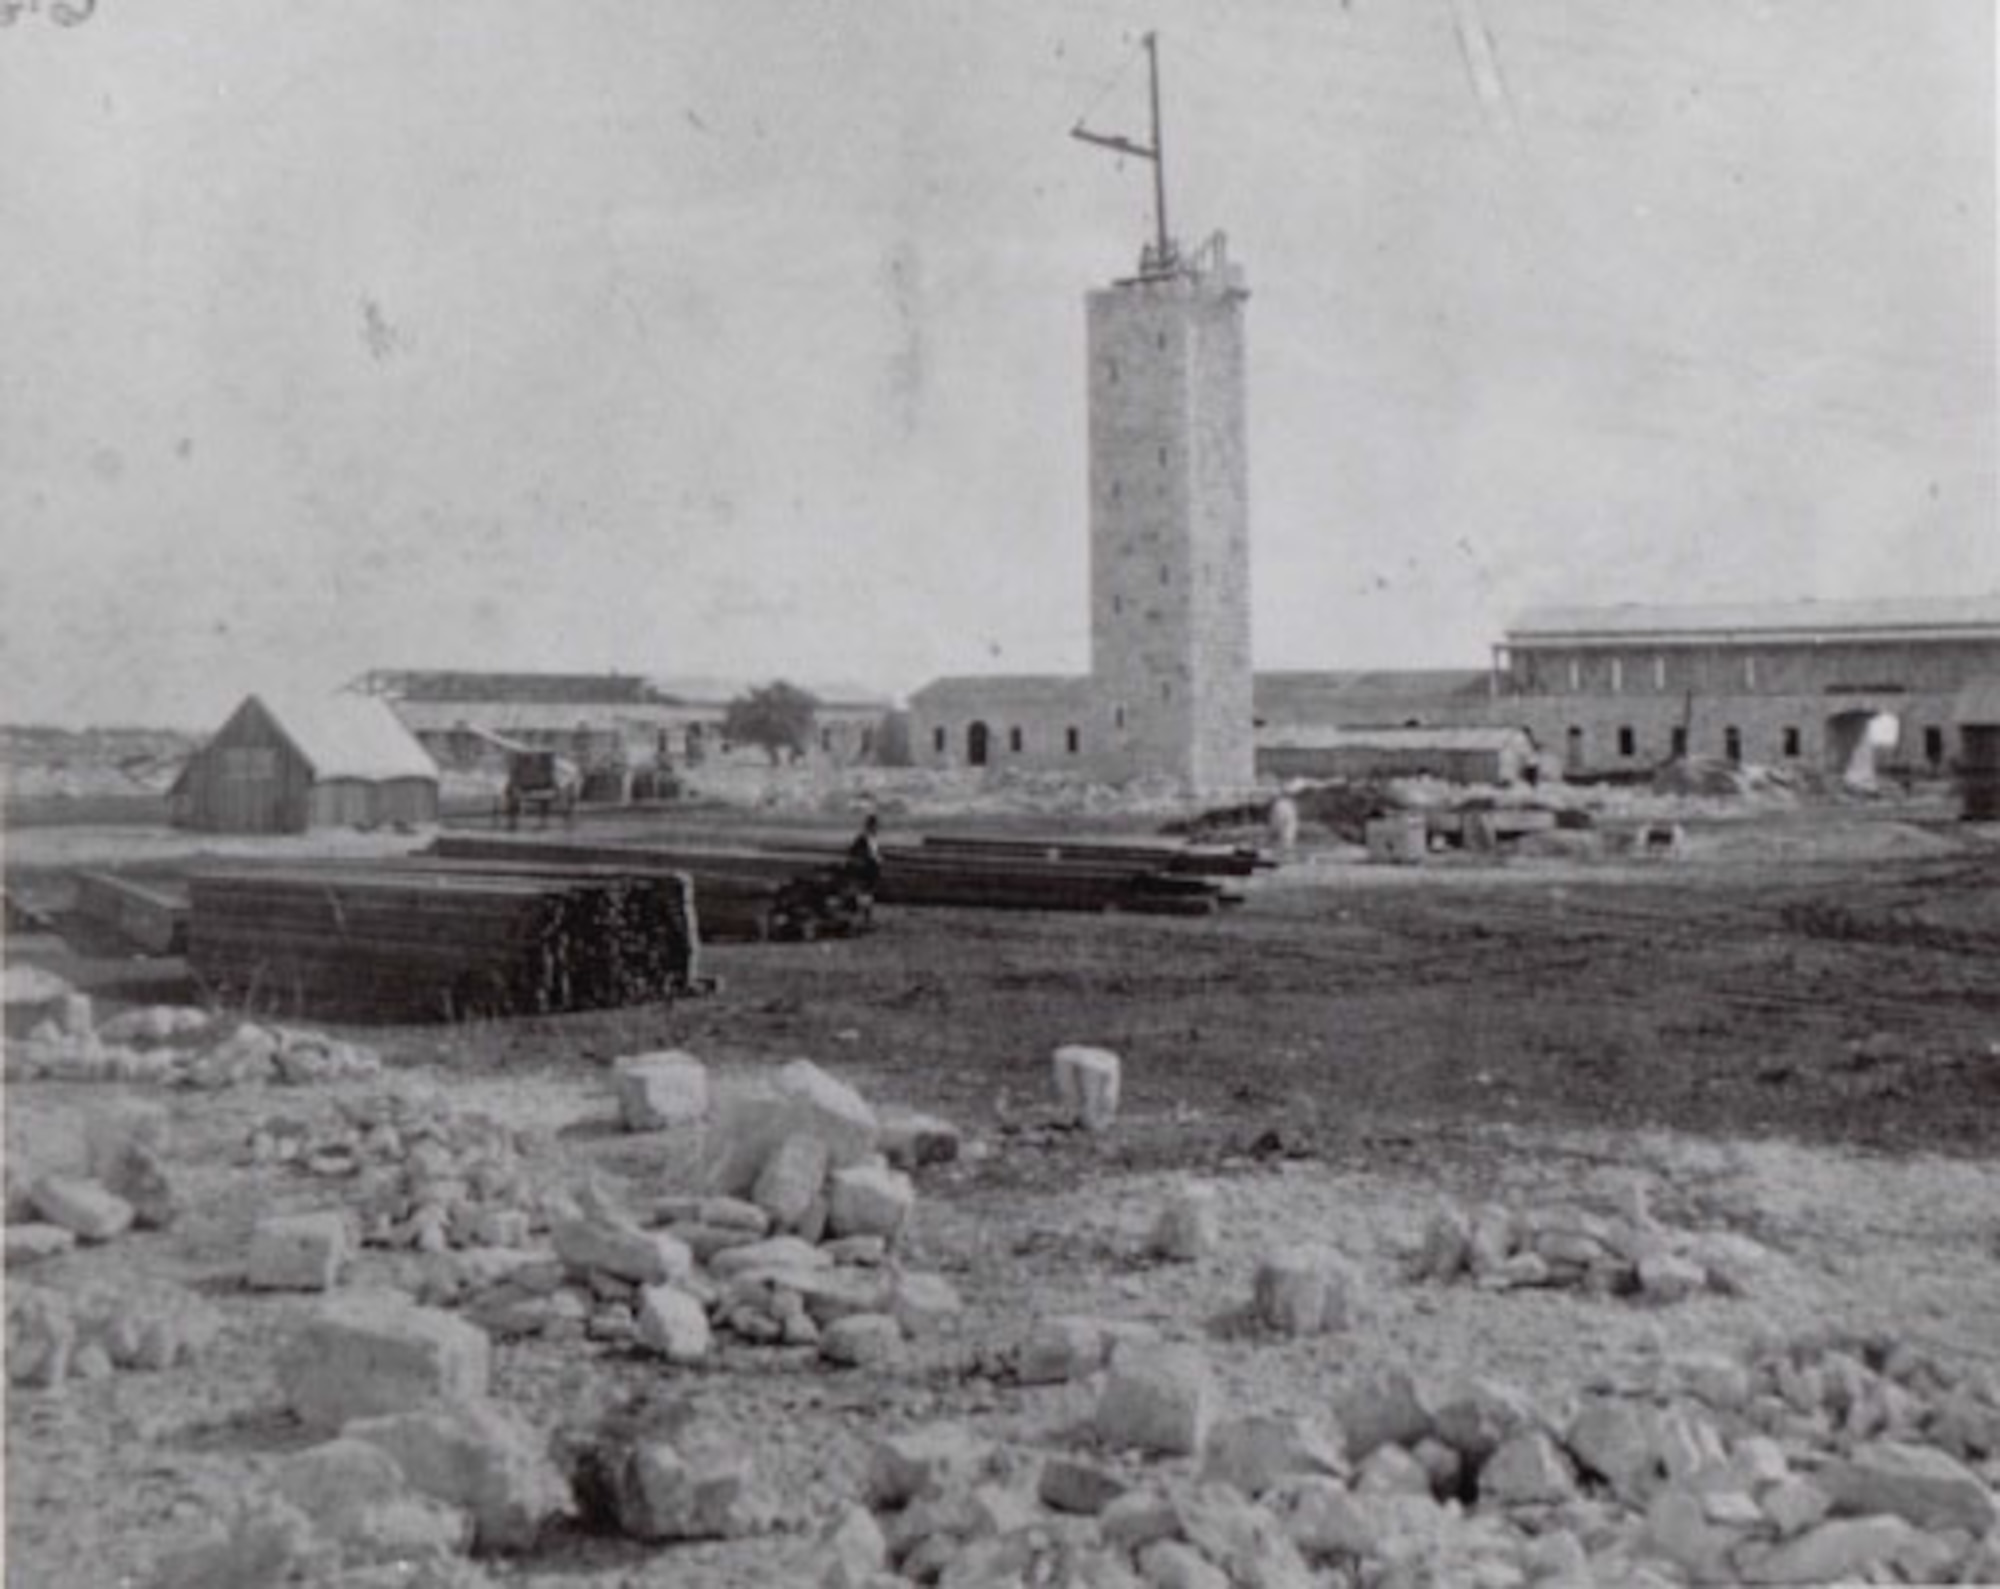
(1161, 257)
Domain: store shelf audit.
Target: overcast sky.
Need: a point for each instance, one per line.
(746, 336)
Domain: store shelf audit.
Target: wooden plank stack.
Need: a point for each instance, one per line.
(149, 913)
(918, 875)
(407, 940)
(742, 894)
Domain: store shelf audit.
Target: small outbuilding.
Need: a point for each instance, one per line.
(314, 762)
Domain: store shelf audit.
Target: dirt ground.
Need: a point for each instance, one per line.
(1794, 1035)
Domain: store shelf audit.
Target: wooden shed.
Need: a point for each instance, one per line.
(315, 762)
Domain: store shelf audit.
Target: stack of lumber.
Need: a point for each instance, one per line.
(148, 912)
(741, 894)
(410, 940)
(1191, 860)
(921, 875)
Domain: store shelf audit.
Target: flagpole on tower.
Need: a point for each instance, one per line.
(1164, 254)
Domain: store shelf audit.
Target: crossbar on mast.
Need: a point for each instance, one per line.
(1165, 255)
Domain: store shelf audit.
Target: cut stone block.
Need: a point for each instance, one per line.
(791, 1180)
(31, 1243)
(355, 1493)
(657, 1091)
(1189, 1226)
(1323, 1519)
(81, 1207)
(1383, 1407)
(297, 1252)
(869, 1200)
(1074, 1346)
(674, 1324)
(862, 1340)
(1087, 1084)
(1618, 1441)
(748, 1126)
(1158, 1399)
(925, 1303)
(1253, 1453)
(1527, 1470)
(1917, 1483)
(1070, 1484)
(479, 1456)
(370, 1353)
(643, 1257)
(698, 1489)
(927, 1461)
(1306, 1291)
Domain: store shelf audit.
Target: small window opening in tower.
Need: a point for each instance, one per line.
(1680, 741)
(1732, 744)
(1628, 742)
(1934, 745)
(1072, 739)
(1794, 744)
(1014, 740)
(937, 740)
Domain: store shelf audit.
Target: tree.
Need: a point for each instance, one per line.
(777, 716)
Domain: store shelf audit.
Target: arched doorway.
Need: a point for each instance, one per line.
(976, 746)
(1856, 740)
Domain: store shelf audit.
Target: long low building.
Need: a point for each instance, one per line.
(1840, 686)
(609, 720)
(1837, 686)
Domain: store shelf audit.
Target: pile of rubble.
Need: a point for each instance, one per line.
(53, 1337)
(125, 1184)
(793, 1244)
(1808, 1461)
(1627, 1254)
(425, 1175)
(415, 1465)
(169, 1045)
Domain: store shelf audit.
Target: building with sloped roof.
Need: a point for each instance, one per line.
(1837, 686)
(284, 766)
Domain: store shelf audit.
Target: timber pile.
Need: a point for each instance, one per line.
(396, 940)
(152, 913)
(919, 875)
(741, 894)
(1190, 860)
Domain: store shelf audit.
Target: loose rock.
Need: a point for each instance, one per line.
(1087, 1085)
(1158, 1399)
(297, 1252)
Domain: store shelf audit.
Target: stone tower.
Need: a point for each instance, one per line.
(1170, 525)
